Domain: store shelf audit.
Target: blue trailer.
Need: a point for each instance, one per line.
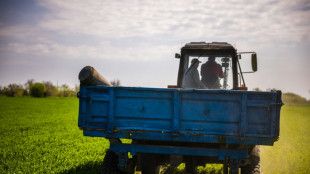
(175, 125)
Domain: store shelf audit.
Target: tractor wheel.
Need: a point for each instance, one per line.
(150, 164)
(254, 166)
(190, 166)
(110, 162)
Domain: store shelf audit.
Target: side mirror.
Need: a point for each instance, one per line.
(177, 55)
(254, 62)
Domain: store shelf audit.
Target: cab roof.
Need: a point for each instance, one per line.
(212, 48)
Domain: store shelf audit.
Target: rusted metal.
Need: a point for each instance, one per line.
(90, 129)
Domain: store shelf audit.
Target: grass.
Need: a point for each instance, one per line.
(291, 154)
(208, 168)
(40, 135)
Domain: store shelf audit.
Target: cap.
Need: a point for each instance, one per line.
(195, 61)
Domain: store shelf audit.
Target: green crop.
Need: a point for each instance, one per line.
(40, 135)
(291, 154)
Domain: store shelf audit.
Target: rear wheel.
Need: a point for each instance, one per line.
(190, 166)
(150, 164)
(110, 162)
(254, 166)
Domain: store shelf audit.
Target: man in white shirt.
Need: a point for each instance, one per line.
(191, 77)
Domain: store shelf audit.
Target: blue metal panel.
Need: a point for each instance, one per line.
(278, 105)
(258, 115)
(243, 115)
(111, 122)
(173, 150)
(272, 112)
(164, 136)
(143, 110)
(176, 114)
(206, 114)
(210, 116)
(82, 106)
(99, 111)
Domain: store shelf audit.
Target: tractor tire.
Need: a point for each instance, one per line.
(190, 166)
(254, 166)
(150, 164)
(110, 162)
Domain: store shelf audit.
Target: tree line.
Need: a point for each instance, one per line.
(38, 89)
(42, 89)
(289, 98)
(48, 89)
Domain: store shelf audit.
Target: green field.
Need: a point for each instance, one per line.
(291, 154)
(40, 135)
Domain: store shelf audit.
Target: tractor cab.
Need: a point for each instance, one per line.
(223, 54)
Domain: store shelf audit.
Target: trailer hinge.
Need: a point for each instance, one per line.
(78, 94)
(275, 104)
(122, 158)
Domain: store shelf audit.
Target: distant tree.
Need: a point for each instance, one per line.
(14, 90)
(116, 82)
(26, 92)
(1, 90)
(37, 90)
(5, 91)
(77, 88)
(19, 91)
(292, 98)
(51, 90)
(66, 91)
(28, 84)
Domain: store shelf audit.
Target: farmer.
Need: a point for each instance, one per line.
(211, 72)
(191, 76)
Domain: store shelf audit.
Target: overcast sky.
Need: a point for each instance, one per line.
(135, 40)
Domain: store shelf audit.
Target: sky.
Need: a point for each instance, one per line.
(135, 41)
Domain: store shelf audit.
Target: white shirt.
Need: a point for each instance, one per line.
(191, 79)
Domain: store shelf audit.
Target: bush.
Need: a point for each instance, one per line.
(291, 98)
(65, 91)
(51, 90)
(1, 91)
(37, 90)
(13, 90)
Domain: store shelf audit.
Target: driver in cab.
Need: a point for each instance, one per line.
(210, 73)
